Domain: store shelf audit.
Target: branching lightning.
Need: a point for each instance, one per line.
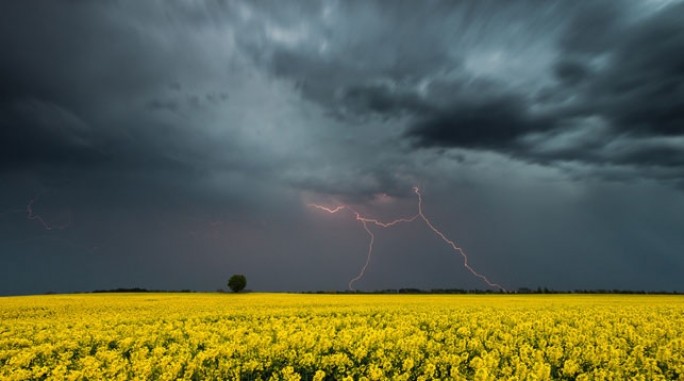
(49, 228)
(35, 217)
(366, 221)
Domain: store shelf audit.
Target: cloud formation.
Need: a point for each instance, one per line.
(515, 79)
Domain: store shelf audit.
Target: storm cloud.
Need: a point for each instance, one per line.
(513, 78)
(182, 141)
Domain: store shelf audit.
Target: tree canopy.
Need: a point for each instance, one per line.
(237, 282)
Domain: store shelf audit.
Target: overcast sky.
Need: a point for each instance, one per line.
(170, 144)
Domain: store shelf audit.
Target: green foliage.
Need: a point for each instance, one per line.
(237, 282)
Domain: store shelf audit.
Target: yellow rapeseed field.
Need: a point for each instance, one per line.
(341, 337)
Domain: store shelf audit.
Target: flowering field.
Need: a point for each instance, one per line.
(337, 337)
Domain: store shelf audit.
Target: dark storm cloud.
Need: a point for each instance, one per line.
(571, 72)
(33, 131)
(642, 88)
(80, 83)
(636, 90)
(383, 100)
(491, 123)
(620, 63)
(347, 53)
(57, 50)
(627, 74)
(441, 73)
(48, 82)
(592, 27)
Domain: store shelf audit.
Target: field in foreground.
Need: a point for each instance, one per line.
(335, 337)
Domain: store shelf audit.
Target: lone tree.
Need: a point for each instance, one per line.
(237, 282)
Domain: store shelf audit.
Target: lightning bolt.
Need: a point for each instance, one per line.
(66, 222)
(35, 217)
(365, 221)
(451, 243)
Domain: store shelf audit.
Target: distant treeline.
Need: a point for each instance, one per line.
(596, 291)
(523, 290)
(137, 289)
